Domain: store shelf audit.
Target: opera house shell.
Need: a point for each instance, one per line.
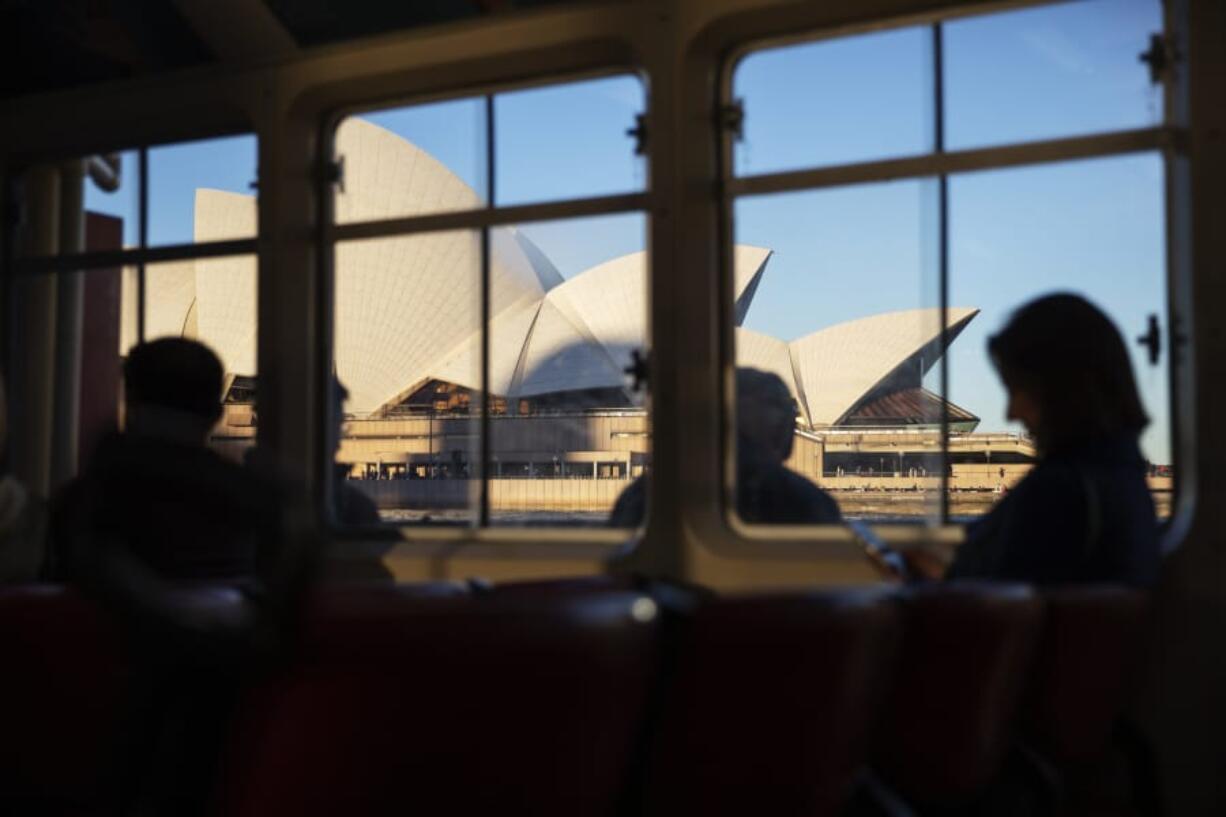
(408, 311)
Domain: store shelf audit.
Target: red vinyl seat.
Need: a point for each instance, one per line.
(450, 705)
(770, 704)
(62, 689)
(965, 654)
(1086, 658)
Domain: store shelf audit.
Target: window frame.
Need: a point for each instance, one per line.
(681, 49)
(939, 165)
(480, 220)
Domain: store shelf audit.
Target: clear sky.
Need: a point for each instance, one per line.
(1095, 227)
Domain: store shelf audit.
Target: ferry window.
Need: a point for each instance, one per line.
(402, 152)
(1067, 69)
(851, 327)
(567, 141)
(1094, 227)
(892, 256)
(202, 191)
(835, 101)
(482, 367)
(407, 327)
(194, 202)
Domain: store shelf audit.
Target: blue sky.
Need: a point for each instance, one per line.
(1095, 226)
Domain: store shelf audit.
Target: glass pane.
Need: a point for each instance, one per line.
(212, 301)
(1058, 70)
(407, 318)
(412, 161)
(568, 141)
(70, 322)
(836, 307)
(202, 191)
(570, 433)
(1095, 228)
(834, 102)
(109, 186)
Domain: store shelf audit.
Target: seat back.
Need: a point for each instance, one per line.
(770, 703)
(1087, 654)
(965, 652)
(450, 705)
(62, 691)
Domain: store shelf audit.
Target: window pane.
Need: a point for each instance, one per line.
(71, 322)
(573, 435)
(212, 301)
(412, 161)
(834, 102)
(837, 296)
(407, 318)
(109, 187)
(1095, 228)
(1059, 70)
(202, 191)
(568, 141)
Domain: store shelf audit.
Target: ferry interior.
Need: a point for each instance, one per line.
(610, 396)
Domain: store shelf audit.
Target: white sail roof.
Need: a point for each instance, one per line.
(407, 308)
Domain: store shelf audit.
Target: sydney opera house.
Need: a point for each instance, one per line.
(408, 345)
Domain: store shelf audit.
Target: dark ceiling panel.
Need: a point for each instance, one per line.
(52, 44)
(319, 22)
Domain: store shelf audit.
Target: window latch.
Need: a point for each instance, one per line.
(637, 371)
(732, 119)
(1152, 340)
(639, 134)
(1160, 56)
(333, 172)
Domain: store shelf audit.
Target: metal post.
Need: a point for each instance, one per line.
(33, 381)
(486, 446)
(69, 306)
(938, 90)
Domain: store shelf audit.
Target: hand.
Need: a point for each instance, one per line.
(926, 563)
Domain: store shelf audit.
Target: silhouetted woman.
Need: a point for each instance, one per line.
(1084, 513)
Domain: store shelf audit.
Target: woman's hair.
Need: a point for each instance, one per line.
(1070, 357)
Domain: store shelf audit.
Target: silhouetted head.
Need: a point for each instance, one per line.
(172, 388)
(765, 414)
(1067, 371)
(340, 395)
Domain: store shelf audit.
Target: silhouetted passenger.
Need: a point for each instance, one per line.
(766, 490)
(1084, 513)
(353, 506)
(23, 523)
(155, 513)
(157, 493)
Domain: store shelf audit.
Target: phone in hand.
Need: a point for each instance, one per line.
(884, 557)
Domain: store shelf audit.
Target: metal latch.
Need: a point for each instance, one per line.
(639, 134)
(638, 370)
(1160, 56)
(1152, 340)
(732, 119)
(333, 172)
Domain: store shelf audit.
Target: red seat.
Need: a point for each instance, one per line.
(450, 705)
(61, 690)
(1087, 656)
(965, 654)
(770, 704)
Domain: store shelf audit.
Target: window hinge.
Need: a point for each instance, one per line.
(638, 371)
(333, 172)
(639, 134)
(1152, 340)
(732, 119)
(1160, 57)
